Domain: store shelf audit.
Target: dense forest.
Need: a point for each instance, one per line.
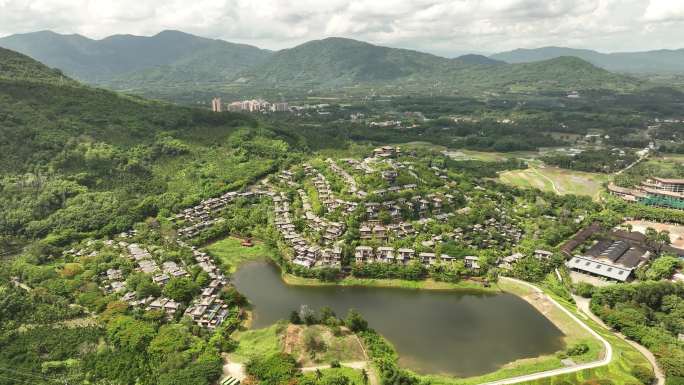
(651, 313)
(71, 156)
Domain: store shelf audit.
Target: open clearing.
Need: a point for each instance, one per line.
(232, 254)
(345, 347)
(676, 231)
(557, 180)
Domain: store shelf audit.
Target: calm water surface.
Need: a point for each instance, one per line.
(446, 332)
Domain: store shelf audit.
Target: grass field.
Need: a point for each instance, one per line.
(259, 342)
(344, 347)
(232, 254)
(557, 180)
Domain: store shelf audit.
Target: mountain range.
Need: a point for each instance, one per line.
(647, 62)
(172, 63)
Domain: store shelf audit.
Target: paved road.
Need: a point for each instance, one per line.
(583, 305)
(555, 372)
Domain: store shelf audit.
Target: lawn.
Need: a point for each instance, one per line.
(259, 342)
(232, 254)
(557, 180)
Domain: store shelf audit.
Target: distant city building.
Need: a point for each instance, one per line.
(258, 105)
(216, 105)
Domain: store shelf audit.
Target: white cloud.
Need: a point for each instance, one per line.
(440, 26)
(664, 10)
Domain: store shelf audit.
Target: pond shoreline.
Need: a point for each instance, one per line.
(425, 284)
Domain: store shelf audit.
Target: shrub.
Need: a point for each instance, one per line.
(577, 350)
(643, 374)
(275, 369)
(584, 289)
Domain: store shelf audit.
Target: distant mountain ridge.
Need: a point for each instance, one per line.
(646, 62)
(16, 66)
(174, 63)
(97, 61)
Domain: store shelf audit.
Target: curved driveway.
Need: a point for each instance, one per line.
(608, 356)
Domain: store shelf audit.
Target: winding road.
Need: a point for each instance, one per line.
(583, 305)
(608, 356)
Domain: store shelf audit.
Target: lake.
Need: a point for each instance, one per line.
(457, 333)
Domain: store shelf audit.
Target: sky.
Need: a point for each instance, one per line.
(443, 27)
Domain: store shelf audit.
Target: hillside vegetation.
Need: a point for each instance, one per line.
(107, 60)
(179, 66)
(76, 160)
(15, 66)
(647, 62)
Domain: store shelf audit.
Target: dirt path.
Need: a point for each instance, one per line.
(553, 184)
(633, 163)
(555, 372)
(233, 369)
(583, 306)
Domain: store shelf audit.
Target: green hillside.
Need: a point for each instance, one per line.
(106, 60)
(338, 62)
(648, 62)
(76, 160)
(177, 66)
(563, 73)
(15, 66)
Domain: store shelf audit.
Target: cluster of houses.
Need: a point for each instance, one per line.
(161, 276)
(209, 310)
(403, 256)
(348, 178)
(305, 254)
(385, 152)
(375, 230)
(395, 189)
(493, 232)
(507, 263)
(660, 192)
(201, 216)
(331, 231)
(325, 194)
(363, 167)
(422, 205)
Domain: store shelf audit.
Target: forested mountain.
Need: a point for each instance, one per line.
(648, 62)
(336, 62)
(169, 54)
(478, 59)
(75, 160)
(344, 61)
(16, 66)
(173, 63)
